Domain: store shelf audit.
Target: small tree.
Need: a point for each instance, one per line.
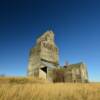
(66, 64)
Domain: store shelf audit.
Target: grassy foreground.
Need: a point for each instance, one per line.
(31, 90)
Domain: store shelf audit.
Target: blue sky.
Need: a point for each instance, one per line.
(76, 24)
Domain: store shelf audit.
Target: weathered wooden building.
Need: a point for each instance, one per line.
(76, 73)
(44, 57)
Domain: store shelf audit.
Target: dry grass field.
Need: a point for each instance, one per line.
(20, 89)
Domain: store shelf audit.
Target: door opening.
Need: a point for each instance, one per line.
(44, 69)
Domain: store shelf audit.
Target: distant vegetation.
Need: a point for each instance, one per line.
(2, 75)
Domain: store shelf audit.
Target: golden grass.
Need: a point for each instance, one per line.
(49, 91)
(20, 80)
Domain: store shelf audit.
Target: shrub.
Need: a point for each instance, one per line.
(58, 75)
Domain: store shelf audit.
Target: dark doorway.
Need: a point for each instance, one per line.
(44, 69)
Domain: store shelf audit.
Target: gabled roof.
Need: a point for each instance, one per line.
(75, 65)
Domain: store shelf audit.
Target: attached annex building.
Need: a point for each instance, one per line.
(44, 57)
